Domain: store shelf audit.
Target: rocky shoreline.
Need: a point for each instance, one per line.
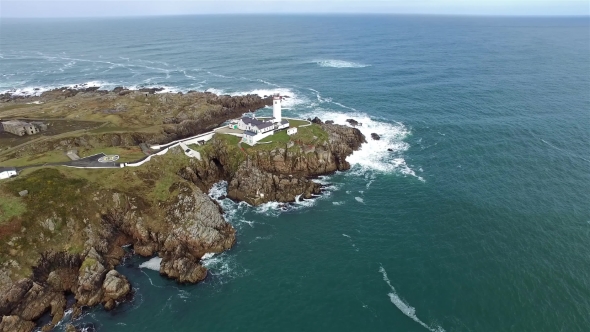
(180, 230)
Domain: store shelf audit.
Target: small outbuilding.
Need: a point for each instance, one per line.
(7, 172)
(292, 131)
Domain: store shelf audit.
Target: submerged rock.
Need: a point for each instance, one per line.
(375, 137)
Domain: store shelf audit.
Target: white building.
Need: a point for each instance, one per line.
(276, 108)
(256, 125)
(257, 129)
(292, 131)
(6, 172)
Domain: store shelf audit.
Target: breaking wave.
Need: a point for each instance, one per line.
(403, 306)
(384, 155)
(339, 64)
(152, 264)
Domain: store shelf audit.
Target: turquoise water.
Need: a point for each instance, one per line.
(478, 220)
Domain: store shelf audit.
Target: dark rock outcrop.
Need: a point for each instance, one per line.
(375, 136)
(255, 187)
(353, 122)
(317, 120)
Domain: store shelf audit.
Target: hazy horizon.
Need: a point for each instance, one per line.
(138, 8)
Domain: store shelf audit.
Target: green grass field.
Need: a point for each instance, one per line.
(10, 206)
(297, 123)
(125, 153)
(48, 157)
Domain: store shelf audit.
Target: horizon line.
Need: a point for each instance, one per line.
(309, 14)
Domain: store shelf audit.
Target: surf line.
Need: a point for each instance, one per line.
(405, 308)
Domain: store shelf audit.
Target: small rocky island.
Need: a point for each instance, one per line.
(68, 233)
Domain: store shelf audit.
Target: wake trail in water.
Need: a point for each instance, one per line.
(404, 307)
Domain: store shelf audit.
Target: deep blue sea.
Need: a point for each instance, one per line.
(477, 220)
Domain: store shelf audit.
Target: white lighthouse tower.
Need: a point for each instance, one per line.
(276, 108)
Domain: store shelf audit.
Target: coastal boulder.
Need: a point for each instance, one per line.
(183, 269)
(16, 324)
(375, 137)
(353, 122)
(115, 287)
(90, 279)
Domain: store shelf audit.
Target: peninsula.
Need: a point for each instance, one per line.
(101, 170)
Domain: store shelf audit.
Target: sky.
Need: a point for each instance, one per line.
(106, 8)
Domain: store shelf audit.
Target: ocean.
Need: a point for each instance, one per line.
(478, 219)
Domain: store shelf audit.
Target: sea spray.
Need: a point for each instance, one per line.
(152, 264)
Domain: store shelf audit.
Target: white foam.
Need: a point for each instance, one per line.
(207, 256)
(402, 167)
(232, 211)
(339, 64)
(322, 179)
(338, 203)
(403, 306)
(152, 264)
(261, 238)
(218, 92)
(224, 266)
(345, 235)
(375, 155)
(29, 91)
(360, 200)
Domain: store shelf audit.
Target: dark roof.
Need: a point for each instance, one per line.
(255, 122)
(4, 169)
(264, 125)
(249, 133)
(284, 121)
(248, 120)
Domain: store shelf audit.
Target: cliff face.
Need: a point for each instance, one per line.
(180, 230)
(258, 176)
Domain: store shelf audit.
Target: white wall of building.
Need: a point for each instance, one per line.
(251, 140)
(276, 109)
(7, 174)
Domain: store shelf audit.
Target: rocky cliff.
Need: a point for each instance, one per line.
(180, 230)
(281, 174)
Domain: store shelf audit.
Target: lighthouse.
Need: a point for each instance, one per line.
(276, 108)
